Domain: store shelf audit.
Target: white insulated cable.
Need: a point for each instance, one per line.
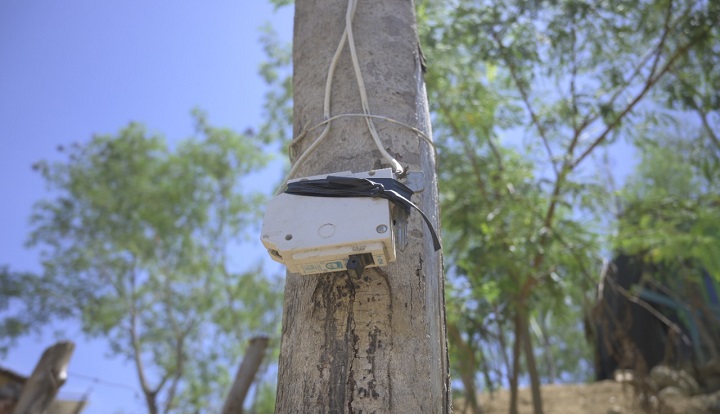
(326, 105)
(347, 36)
(361, 86)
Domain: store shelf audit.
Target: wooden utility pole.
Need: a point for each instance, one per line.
(49, 375)
(245, 375)
(375, 344)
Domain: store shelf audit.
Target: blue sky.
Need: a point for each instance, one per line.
(74, 68)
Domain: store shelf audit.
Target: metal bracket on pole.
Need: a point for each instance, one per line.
(356, 264)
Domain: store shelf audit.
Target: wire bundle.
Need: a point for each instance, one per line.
(348, 37)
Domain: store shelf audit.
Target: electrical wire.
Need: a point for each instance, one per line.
(421, 134)
(103, 382)
(326, 104)
(348, 37)
(355, 115)
(361, 86)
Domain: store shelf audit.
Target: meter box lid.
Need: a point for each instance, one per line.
(318, 234)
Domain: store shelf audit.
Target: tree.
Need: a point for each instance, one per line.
(670, 210)
(573, 75)
(245, 375)
(16, 304)
(137, 240)
(377, 343)
(666, 240)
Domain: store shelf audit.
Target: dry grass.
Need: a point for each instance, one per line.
(605, 397)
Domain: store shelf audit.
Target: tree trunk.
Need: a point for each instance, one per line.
(547, 351)
(515, 373)
(245, 375)
(49, 375)
(531, 364)
(523, 345)
(375, 344)
(468, 367)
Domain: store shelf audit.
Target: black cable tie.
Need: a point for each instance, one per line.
(387, 188)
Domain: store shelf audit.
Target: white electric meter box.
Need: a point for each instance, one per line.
(313, 235)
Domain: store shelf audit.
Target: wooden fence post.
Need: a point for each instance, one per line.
(49, 375)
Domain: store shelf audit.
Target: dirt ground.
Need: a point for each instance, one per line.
(605, 397)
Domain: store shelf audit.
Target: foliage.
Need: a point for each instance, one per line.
(669, 220)
(281, 3)
(137, 240)
(277, 74)
(671, 211)
(571, 76)
(15, 304)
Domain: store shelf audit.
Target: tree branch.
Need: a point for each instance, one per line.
(161, 384)
(179, 368)
(526, 100)
(179, 335)
(482, 185)
(137, 350)
(663, 38)
(708, 127)
(573, 77)
(648, 85)
(634, 299)
(656, 51)
(701, 112)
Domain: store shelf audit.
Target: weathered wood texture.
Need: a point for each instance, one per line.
(245, 375)
(49, 375)
(378, 344)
